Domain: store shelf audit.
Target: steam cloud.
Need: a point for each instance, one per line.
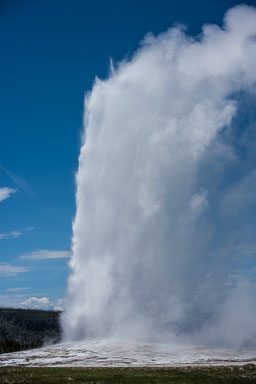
(164, 234)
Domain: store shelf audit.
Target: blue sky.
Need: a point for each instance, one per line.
(50, 53)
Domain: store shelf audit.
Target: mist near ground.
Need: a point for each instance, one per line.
(164, 241)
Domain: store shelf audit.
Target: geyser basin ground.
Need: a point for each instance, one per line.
(111, 353)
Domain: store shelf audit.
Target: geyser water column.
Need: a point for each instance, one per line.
(155, 232)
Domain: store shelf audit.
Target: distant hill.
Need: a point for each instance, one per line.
(27, 328)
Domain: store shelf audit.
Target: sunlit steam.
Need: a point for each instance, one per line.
(164, 234)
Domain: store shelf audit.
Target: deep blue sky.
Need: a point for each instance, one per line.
(50, 53)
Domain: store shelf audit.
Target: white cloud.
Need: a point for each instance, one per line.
(12, 270)
(43, 303)
(42, 254)
(5, 192)
(59, 305)
(14, 234)
(37, 303)
(17, 298)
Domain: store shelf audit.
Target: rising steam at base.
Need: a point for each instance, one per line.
(164, 234)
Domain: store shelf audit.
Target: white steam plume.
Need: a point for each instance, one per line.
(161, 193)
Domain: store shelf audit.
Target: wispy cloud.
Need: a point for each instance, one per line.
(16, 289)
(41, 254)
(12, 270)
(19, 181)
(5, 193)
(10, 235)
(14, 234)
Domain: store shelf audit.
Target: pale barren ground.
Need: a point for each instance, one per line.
(111, 353)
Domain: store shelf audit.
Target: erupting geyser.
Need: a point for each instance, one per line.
(164, 236)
